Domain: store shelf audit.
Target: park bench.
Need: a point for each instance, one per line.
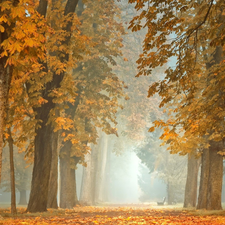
(163, 201)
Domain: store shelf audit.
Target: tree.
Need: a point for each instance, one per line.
(15, 45)
(44, 132)
(20, 52)
(191, 33)
(191, 190)
(98, 88)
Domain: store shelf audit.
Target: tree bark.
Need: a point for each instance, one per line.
(53, 182)
(204, 179)
(2, 109)
(42, 165)
(68, 193)
(12, 174)
(211, 178)
(190, 198)
(65, 201)
(214, 197)
(73, 188)
(23, 197)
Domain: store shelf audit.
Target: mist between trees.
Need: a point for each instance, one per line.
(112, 102)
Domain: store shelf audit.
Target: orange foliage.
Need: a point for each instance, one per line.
(117, 215)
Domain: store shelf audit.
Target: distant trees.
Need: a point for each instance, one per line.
(190, 33)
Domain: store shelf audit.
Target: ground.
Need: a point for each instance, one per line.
(116, 214)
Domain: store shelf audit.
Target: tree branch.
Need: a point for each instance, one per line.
(200, 24)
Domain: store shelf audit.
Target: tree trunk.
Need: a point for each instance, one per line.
(94, 163)
(42, 165)
(191, 182)
(107, 175)
(73, 188)
(2, 112)
(5, 82)
(85, 194)
(93, 180)
(215, 177)
(169, 193)
(12, 174)
(102, 151)
(53, 182)
(211, 178)
(65, 169)
(68, 193)
(23, 197)
(204, 179)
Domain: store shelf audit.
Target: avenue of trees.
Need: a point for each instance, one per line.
(67, 96)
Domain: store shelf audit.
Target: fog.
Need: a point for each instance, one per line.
(125, 163)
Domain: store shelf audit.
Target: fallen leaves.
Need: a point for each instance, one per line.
(114, 215)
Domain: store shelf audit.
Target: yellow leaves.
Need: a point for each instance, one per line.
(116, 215)
(64, 123)
(151, 129)
(30, 43)
(5, 5)
(2, 29)
(17, 12)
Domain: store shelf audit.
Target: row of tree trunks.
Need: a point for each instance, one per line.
(94, 180)
(211, 177)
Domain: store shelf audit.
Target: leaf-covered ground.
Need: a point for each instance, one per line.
(114, 215)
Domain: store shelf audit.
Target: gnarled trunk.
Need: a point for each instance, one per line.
(190, 198)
